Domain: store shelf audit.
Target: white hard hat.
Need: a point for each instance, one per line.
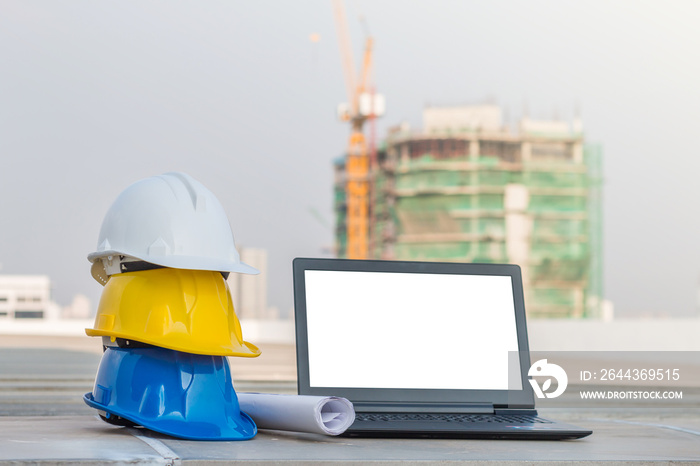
(170, 220)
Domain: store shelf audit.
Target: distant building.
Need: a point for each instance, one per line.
(249, 292)
(27, 297)
(79, 308)
(468, 189)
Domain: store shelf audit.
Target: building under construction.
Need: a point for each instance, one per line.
(468, 189)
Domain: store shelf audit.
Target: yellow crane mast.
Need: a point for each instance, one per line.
(361, 106)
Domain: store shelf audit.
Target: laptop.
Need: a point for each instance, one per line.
(421, 349)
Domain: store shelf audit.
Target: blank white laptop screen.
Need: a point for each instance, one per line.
(410, 330)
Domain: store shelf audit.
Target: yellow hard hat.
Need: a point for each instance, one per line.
(184, 310)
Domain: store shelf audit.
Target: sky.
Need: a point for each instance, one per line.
(95, 95)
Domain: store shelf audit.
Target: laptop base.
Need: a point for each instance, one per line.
(477, 430)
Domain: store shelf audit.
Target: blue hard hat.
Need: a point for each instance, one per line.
(184, 395)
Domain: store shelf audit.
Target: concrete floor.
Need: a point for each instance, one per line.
(44, 421)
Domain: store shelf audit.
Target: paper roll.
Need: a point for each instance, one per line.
(327, 415)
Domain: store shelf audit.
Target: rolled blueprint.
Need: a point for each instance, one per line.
(328, 415)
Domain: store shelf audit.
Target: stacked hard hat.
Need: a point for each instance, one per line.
(166, 316)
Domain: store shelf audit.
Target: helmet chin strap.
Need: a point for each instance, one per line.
(137, 265)
(98, 272)
(124, 343)
(122, 264)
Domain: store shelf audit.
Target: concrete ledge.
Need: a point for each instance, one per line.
(616, 335)
(544, 335)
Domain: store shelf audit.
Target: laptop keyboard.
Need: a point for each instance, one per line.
(497, 418)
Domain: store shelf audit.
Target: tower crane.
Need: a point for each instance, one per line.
(362, 105)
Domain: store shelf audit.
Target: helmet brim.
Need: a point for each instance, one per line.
(174, 262)
(244, 429)
(246, 350)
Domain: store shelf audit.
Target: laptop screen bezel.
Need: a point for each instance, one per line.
(523, 398)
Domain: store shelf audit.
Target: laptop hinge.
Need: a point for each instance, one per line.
(532, 412)
(397, 407)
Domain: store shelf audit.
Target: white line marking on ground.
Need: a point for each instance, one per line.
(157, 445)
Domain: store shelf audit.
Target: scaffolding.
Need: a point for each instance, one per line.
(492, 196)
